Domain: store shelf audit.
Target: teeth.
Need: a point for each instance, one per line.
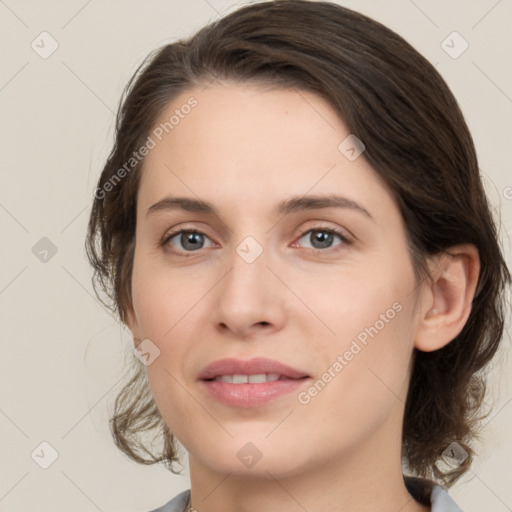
(255, 379)
(246, 379)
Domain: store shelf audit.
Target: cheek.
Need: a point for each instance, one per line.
(161, 310)
(365, 380)
(359, 303)
(165, 306)
(371, 319)
(161, 299)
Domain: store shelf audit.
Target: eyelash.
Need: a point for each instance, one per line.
(186, 254)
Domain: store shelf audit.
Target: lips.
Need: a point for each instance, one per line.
(252, 383)
(257, 366)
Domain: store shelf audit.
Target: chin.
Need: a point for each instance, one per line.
(247, 459)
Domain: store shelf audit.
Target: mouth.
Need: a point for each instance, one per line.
(239, 383)
(240, 371)
(257, 378)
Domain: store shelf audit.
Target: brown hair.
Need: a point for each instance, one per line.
(416, 139)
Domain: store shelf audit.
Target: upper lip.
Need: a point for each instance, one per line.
(254, 366)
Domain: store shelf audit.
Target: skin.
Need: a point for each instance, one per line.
(244, 149)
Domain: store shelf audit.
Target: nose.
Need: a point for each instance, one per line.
(250, 300)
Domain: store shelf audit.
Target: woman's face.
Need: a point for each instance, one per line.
(299, 257)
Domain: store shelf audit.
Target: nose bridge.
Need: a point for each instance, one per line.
(248, 276)
(249, 294)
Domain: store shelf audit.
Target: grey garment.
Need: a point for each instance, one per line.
(442, 502)
(177, 504)
(439, 498)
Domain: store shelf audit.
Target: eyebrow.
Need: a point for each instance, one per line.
(292, 205)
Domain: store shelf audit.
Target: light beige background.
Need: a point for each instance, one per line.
(62, 354)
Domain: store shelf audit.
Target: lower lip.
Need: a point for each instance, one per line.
(251, 395)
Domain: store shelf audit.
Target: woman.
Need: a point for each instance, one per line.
(292, 225)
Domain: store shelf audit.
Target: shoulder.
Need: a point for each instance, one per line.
(442, 501)
(177, 504)
(430, 493)
(424, 491)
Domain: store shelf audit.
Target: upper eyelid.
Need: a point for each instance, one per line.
(302, 231)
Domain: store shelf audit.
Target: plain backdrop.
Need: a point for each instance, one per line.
(63, 356)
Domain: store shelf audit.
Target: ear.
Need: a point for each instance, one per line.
(133, 325)
(448, 298)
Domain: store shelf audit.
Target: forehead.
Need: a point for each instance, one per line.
(241, 142)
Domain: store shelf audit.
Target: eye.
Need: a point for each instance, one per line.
(187, 241)
(323, 238)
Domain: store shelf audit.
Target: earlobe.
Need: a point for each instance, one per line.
(448, 298)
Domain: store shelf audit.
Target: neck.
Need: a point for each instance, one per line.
(365, 479)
